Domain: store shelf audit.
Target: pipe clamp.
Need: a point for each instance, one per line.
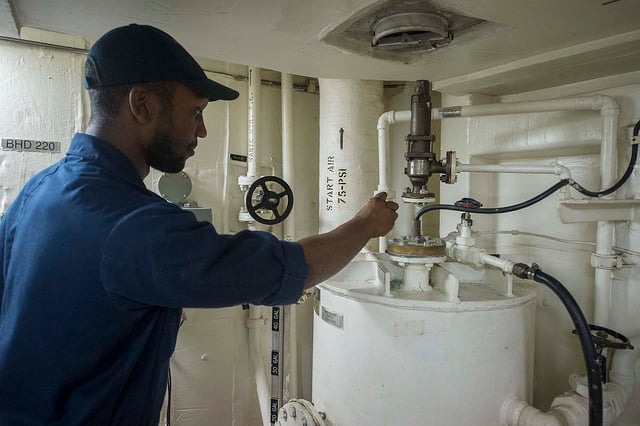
(604, 261)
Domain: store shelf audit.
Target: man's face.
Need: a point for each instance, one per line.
(179, 126)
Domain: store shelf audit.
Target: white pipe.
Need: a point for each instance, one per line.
(572, 409)
(555, 169)
(384, 121)
(605, 230)
(604, 104)
(289, 227)
(288, 162)
(253, 157)
(623, 373)
(569, 411)
(254, 323)
(478, 256)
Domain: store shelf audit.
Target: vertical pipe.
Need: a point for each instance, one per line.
(287, 148)
(290, 355)
(253, 157)
(605, 230)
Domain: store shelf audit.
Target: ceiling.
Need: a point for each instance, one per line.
(523, 44)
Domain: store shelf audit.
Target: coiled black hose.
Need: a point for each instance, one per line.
(594, 377)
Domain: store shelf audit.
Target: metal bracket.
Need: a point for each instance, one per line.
(604, 261)
(580, 211)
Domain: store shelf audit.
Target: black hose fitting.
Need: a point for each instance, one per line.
(524, 271)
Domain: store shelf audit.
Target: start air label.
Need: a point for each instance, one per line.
(336, 185)
(29, 145)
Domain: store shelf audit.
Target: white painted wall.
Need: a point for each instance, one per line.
(42, 99)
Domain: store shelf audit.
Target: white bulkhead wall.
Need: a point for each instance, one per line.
(42, 99)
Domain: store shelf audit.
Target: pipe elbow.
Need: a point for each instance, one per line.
(531, 416)
(562, 171)
(567, 409)
(385, 119)
(607, 105)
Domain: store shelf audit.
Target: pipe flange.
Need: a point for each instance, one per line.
(417, 249)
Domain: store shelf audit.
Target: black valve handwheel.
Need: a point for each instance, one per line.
(606, 338)
(269, 200)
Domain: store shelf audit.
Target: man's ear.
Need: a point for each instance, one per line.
(141, 104)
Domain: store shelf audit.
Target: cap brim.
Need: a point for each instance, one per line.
(211, 89)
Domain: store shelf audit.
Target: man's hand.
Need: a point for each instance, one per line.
(379, 214)
(327, 253)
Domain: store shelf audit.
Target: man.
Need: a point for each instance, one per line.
(96, 269)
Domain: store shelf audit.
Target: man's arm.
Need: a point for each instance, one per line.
(328, 253)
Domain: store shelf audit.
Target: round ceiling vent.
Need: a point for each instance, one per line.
(411, 32)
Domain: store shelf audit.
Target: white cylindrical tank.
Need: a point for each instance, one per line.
(417, 358)
(349, 111)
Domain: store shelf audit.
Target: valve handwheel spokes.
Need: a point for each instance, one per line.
(269, 200)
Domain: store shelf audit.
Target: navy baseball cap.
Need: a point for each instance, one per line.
(144, 54)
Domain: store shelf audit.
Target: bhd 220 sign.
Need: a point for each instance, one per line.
(29, 145)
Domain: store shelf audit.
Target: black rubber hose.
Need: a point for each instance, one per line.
(493, 210)
(623, 179)
(594, 378)
(617, 185)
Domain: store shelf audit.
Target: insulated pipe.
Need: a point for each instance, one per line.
(254, 323)
(348, 111)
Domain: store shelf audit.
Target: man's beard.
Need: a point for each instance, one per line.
(160, 154)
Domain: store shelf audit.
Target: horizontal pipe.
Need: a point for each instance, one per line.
(606, 105)
(555, 169)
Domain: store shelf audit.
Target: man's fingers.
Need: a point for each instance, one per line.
(392, 205)
(381, 195)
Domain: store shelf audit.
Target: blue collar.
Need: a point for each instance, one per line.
(107, 156)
